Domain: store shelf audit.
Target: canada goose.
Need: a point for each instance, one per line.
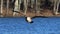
(29, 19)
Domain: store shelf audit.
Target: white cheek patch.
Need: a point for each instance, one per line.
(29, 19)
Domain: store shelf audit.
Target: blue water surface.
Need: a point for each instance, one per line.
(20, 26)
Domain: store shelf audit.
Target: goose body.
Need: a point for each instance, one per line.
(29, 19)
